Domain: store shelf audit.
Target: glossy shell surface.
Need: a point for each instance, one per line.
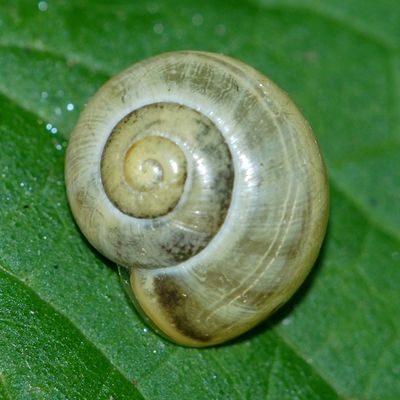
(199, 177)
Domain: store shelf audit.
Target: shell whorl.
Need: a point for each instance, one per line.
(220, 230)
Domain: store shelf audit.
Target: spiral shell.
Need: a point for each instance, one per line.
(202, 180)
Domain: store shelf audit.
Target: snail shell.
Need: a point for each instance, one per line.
(202, 180)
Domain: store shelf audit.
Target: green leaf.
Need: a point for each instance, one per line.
(68, 330)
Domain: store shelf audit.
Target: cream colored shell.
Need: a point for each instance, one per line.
(219, 231)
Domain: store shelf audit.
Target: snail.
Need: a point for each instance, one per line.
(203, 181)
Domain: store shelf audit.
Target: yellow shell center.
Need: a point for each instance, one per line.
(155, 167)
(145, 179)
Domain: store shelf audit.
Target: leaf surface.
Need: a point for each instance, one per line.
(67, 329)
